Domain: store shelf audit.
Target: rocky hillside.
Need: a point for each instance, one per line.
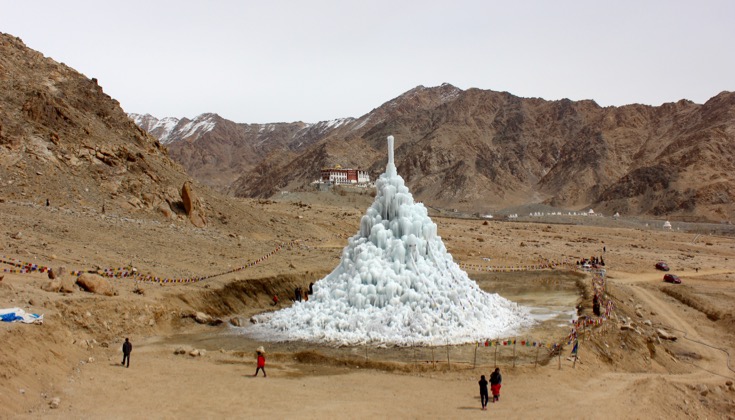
(481, 150)
(65, 143)
(217, 151)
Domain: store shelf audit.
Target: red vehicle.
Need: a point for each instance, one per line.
(672, 278)
(662, 266)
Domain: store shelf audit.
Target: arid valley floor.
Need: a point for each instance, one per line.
(74, 356)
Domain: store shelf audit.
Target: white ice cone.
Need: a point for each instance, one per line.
(396, 284)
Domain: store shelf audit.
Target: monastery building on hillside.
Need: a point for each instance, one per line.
(340, 175)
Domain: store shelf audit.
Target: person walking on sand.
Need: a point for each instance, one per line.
(495, 380)
(261, 361)
(127, 348)
(483, 392)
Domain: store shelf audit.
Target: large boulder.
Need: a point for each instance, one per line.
(96, 284)
(68, 283)
(192, 206)
(239, 321)
(165, 210)
(665, 334)
(53, 274)
(53, 285)
(203, 318)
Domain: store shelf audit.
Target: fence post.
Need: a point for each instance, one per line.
(449, 366)
(474, 364)
(559, 355)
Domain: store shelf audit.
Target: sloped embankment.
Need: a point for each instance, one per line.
(247, 297)
(686, 296)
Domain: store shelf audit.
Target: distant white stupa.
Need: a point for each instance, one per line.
(396, 284)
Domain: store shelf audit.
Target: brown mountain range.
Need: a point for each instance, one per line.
(476, 150)
(480, 150)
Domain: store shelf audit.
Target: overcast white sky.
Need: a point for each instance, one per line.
(282, 61)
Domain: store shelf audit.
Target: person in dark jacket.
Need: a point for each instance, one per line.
(483, 392)
(495, 381)
(127, 348)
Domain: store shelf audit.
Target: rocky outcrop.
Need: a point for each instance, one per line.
(193, 206)
(68, 283)
(96, 284)
(665, 334)
(52, 285)
(202, 318)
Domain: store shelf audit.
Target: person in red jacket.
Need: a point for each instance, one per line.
(495, 383)
(261, 361)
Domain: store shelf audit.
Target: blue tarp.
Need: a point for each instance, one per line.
(19, 315)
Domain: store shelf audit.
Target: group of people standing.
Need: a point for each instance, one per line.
(594, 261)
(300, 295)
(495, 380)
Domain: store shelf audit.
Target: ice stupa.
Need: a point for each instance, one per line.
(396, 284)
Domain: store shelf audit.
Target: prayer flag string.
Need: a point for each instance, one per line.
(132, 273)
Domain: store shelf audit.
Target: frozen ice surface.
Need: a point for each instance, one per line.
(396, 284)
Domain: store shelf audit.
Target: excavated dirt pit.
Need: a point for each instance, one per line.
(552, 296)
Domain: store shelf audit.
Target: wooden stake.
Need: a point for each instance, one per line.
(559, 354)
(448, 364)
(474, 364)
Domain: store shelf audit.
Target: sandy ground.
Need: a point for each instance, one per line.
(75, 355)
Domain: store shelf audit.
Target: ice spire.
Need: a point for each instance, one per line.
(390, 170)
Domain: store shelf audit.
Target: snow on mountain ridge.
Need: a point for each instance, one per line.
(197, 126)
(168, 129)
